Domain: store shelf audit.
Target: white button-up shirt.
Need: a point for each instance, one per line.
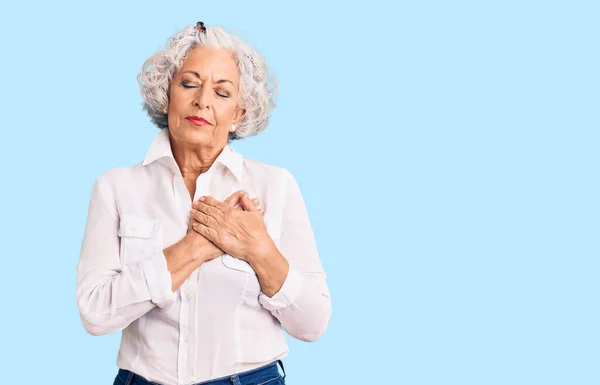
(218, 322)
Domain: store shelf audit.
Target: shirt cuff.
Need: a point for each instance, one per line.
(158, 279)
(289, 292)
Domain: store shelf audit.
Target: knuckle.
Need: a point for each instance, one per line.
(204, 230)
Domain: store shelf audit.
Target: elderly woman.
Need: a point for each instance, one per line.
(199, 256)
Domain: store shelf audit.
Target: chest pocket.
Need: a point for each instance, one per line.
(274, 230)
(140, 238)
(237, 264)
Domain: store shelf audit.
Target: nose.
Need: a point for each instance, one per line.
(202, 98)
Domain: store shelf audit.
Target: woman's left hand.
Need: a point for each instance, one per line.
(241, 234)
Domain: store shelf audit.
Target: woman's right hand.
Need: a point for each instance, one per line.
(204, 249)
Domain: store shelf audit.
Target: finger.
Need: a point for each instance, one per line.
(254, 202)
(233, 199)
(215, 212)
(261, 211)
(207, 199)
(208, 232)
(192, 221)
(248, 204)
(204, 218)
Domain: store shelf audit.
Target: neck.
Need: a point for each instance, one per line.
(194, 160)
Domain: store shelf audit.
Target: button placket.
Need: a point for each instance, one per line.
(184, 331)
(202, 185)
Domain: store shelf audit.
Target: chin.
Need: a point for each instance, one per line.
(197, 133)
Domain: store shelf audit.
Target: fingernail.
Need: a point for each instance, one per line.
(202, 199)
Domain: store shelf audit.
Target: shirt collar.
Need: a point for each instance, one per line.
(161, 148)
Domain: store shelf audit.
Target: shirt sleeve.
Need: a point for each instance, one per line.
(111, 295)
(303, 303)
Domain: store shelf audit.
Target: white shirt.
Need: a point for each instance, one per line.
(218, 322)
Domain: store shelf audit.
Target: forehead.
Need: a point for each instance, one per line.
(215, 63)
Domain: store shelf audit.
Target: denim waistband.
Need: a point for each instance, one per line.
(128, 376)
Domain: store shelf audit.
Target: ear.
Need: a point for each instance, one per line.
(238, 114)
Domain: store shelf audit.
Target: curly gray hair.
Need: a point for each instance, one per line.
(258, 90)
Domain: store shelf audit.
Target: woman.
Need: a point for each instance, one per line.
(175, 252)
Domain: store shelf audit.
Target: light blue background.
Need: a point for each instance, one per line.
(447, 152)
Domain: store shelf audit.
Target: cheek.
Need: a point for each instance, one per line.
(175, 101)
(175, 110)
(224, 113)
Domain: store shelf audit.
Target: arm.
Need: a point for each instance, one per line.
(187, 255)
(293, 282)
(110, 295)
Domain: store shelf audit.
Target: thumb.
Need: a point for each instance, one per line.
(234, 198)
(248, 204)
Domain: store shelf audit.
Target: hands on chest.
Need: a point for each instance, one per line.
(239, 232)
(220, 227)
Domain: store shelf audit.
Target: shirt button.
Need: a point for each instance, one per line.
(189, 297)
(186, 339)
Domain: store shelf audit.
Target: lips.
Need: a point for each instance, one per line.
(198, 121)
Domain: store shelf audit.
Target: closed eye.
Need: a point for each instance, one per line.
(186, 85)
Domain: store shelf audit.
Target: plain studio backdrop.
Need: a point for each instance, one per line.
(447, 153)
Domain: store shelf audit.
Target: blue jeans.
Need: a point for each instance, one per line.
(267, 375)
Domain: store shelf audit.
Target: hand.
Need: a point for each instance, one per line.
(206, 249)
(238, 233)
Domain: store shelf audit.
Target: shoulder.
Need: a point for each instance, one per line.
(121, 176)
(278, 180)
(256, 169)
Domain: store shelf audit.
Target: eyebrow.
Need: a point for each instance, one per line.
(220, 81)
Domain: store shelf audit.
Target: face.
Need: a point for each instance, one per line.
(206, 87)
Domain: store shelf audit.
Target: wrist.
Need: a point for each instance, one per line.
(193, 249)
(261, 251)
(199, 249)
(272, 269)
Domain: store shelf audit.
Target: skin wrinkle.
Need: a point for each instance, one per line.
(257, 88)
(241, 234)
(209, 89)
(195, 148)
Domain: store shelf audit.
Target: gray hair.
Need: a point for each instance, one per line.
(258, 90)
